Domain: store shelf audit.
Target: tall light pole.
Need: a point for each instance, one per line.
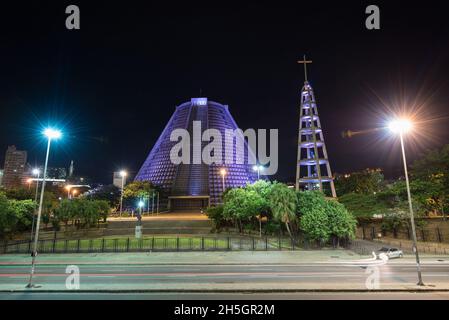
(123, 175)
(402, 126)
(223, 174)
(36, 172)
(68, 187)
(258, 168)
(50, 134)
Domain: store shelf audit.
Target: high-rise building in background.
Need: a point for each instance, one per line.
(190, 186)
(15, 162)
(313, 171)
(71, 169)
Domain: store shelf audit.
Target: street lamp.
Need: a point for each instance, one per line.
(141, 204)
(74, 192)
(123, 174)
(50, 134)
(258, 168)
(401, 127)
(68, 187)
(223, 174)
(36, 172)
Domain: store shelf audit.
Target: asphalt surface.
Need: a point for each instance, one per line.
(229, 296)
(161, 277)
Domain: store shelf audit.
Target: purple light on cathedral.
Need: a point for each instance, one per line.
(190, 185)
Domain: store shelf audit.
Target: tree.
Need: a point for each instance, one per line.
(15, 215)
(216, 215)
(282, 202)
(109, 193)
(341, 223)
(314, 221)
(434, 167)
(321, 218)
(66, 211)
(103, 209)
(19, 193)
(263, 189)
(367, 181)
(364, 205)
(241, 204)
(138, 190)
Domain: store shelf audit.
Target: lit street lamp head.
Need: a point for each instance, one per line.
(141, 204)
(52, 133)
(123, 173)
(400, 126)
(36, 172)
(223, 172)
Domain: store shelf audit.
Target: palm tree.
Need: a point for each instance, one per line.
(283, 205)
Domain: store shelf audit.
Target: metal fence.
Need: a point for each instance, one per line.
(422, 234)
(168, 244)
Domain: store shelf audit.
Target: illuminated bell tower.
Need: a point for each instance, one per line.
(313, 170)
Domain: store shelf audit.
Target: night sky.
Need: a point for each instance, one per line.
(113, 85)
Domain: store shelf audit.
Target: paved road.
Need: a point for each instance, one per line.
(228, 296)
(200, 277)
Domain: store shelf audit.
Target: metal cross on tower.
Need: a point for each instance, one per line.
(312, 169)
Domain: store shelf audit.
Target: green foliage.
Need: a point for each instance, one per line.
(138, 189)
(109, 193)
(242, 204)
(20, 193)
(216, 215)
(341, 223)
(282, 201)
(87, 212)
(366, 182)
(314, 221)
(263, 189)
(15, 215)
(320, 218)
(364, 205)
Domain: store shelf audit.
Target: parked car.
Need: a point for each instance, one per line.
(390, 253)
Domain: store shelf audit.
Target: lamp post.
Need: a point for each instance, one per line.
(402, 126)
(223, 174)
(258, 168)
(36, 172)
(50, 134)
(123, 175)
(141, 204)
(68, 191)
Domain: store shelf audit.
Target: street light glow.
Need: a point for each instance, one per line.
(52, 133)
(123, 173)
(36, 171)
(400, 126)
(141, 204)
(223, 172)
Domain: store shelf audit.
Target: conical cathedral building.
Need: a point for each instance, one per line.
(195, 184)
